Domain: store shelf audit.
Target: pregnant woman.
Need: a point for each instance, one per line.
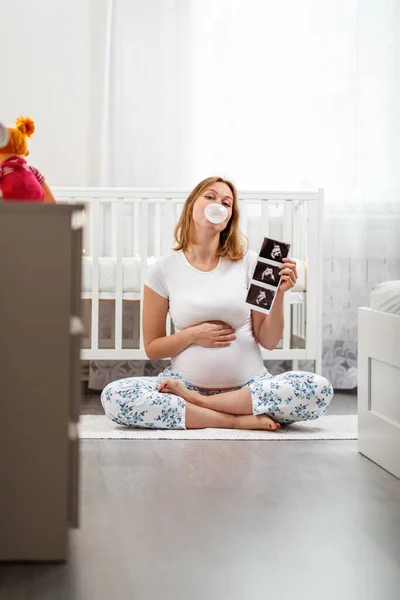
(217, 377)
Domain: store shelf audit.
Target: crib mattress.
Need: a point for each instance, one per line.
(108, 274)
(131, 275)
(386, 297)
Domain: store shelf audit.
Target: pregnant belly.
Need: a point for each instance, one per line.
(220, 368)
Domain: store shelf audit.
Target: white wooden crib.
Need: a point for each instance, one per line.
(126, 228)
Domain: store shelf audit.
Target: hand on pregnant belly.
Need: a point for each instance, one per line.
(213, 334)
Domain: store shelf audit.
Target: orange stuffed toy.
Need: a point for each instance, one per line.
(18, 180)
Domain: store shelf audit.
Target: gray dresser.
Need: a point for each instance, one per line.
(40, 335)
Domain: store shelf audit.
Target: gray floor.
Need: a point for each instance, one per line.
(197, 520)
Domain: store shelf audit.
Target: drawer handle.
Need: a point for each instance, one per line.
(76, 326)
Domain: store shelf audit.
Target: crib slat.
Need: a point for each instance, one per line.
(157, 229)
(300, 329)
(177, 211)
(265, 218)
(136, 229)
(303, 236)
(295, 232)
(144, 227)
(168, 226)
(95, 248)
(112, 209)
(295, 319)
(299, 225)
(287, 230)
(119, 241)
(243, 217)
(168, 325)
(286, 337)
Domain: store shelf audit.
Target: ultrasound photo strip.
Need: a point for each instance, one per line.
(266, 278)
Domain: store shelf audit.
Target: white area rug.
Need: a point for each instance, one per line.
(335, 427)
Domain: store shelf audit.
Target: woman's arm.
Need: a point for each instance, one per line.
(48, 194)
(157, 343)
(268, 329)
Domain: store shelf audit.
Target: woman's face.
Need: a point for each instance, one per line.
(217, 193)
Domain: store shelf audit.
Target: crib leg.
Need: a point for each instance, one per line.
(295, 364)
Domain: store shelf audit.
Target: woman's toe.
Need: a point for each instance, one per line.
(163, 387)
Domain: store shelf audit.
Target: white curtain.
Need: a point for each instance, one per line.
(147, 113)
(275, 95)
(260, 90)
(362, 225)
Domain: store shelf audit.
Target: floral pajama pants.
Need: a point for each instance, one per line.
(286, 398)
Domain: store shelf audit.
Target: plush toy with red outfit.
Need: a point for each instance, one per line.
(18, 180)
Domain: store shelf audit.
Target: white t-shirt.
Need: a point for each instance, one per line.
(219, 295)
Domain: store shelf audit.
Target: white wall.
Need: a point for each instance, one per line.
(53, 72)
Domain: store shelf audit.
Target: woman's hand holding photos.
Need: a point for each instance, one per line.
(288, 275)
(213, 334)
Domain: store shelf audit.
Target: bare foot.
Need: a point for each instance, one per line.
(262, 422)
(172, 386)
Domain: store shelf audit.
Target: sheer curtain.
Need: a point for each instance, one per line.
(265, 92)
(362, 241)
(147, 111)
(275, 95)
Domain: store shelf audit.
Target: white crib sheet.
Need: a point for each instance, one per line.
(131, 274)
(108, 274)
(386, 297)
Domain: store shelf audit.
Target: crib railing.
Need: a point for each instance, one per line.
(124, 225)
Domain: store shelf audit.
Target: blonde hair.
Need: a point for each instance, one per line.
(231, 241)
(24, 128)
